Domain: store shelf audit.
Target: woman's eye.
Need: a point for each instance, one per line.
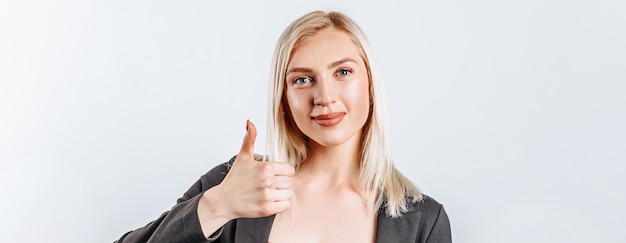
(344, 72)
(302, 80)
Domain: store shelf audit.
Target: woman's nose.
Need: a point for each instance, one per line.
(324, 93)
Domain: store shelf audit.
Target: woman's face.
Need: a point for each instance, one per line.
(327, 88)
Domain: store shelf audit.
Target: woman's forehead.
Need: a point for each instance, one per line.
(326, 46)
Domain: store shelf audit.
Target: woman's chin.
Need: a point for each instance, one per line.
(333, 140)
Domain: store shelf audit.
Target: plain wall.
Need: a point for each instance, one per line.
(510, 113)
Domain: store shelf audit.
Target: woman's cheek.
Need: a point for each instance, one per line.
(357, 94)
(297, 104)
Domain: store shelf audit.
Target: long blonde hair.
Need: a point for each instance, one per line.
(285, 142)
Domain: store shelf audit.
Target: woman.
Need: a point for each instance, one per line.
(327, 120)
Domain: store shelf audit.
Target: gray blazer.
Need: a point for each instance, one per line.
(425, 222)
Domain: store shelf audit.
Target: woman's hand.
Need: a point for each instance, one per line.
(256, 189)
(251, 189)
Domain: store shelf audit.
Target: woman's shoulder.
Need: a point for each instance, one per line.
(433, 220)
(424, 221)
(426, 209)
(426, 204)
(432, 216)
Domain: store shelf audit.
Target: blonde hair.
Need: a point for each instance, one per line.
(380, 181)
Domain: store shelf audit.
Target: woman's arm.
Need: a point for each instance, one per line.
(182, 222)
(240, 188)
(440, 232)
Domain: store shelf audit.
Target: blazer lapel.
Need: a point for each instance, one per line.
(400, 229)
(253, 230)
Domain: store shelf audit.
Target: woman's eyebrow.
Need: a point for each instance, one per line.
(299, 70)
(330, 66)
(342, 61)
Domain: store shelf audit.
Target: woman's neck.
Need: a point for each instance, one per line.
(332, 167)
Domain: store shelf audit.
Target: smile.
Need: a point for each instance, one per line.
(328, 120)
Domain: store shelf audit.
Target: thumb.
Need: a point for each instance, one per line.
(247, 147)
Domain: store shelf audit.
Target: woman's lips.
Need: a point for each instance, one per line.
(329, 120)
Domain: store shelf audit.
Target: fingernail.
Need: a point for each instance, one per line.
(247, 124)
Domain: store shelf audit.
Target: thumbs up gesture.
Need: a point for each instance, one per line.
(251, 189)
(263, 188)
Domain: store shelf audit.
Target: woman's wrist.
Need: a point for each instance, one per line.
(212, 213)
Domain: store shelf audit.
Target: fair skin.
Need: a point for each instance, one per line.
(327, 91)
(249, 190)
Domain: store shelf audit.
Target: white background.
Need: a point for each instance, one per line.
(510, 113)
